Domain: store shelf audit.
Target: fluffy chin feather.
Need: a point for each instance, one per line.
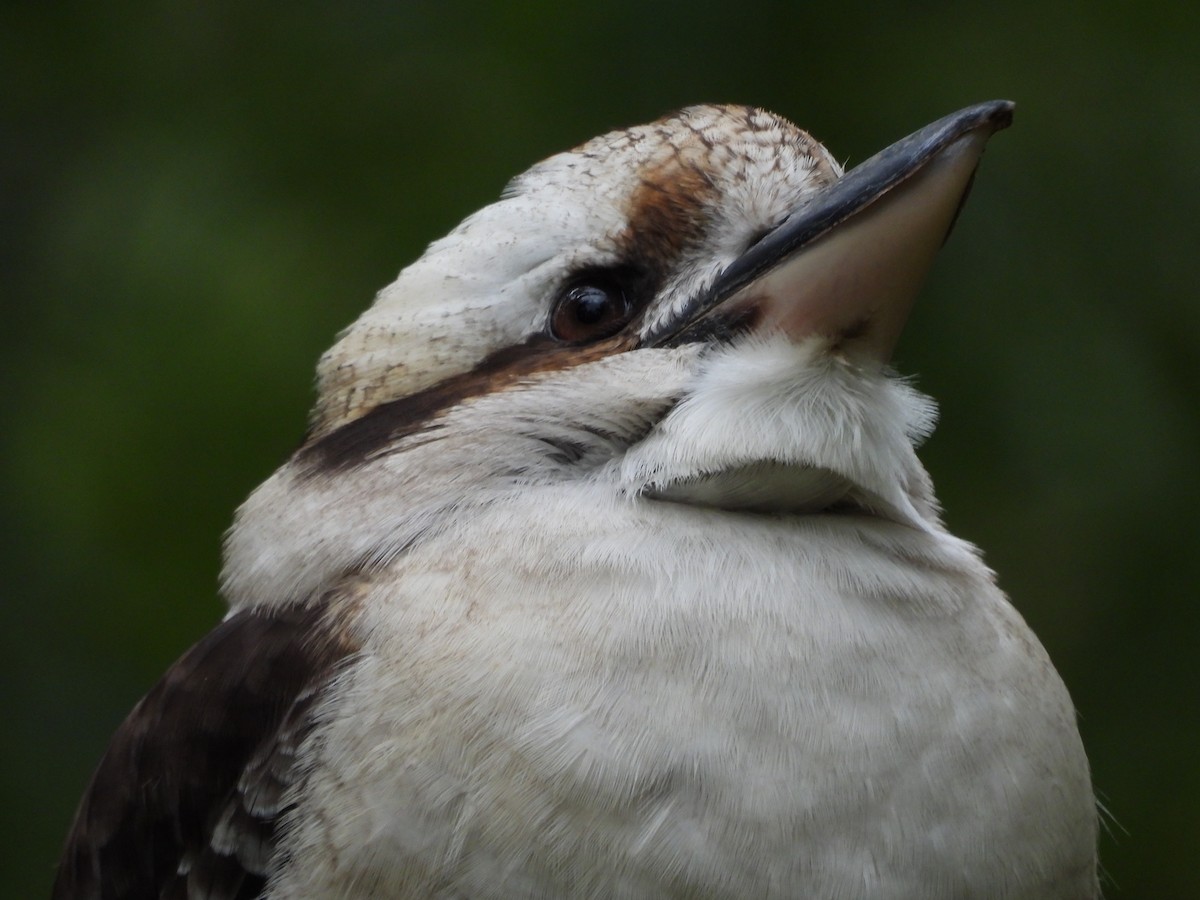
(770, 424)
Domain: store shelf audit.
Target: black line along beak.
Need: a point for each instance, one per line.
(849, 263)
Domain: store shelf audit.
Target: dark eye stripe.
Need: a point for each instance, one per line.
(372, 434)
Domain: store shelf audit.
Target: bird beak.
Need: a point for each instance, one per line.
(849, 263)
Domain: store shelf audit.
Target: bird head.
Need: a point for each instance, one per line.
(699, 311)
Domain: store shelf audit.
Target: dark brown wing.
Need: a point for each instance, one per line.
(191, 788)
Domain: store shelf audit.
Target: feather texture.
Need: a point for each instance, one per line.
(187, 799)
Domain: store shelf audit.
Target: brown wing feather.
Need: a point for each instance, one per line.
(189, 793)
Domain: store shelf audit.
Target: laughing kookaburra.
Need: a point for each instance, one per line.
(607, 569)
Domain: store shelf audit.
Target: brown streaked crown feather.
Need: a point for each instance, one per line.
(188, 796)
(668, 213)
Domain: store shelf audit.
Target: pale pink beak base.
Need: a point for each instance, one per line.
(857, 283)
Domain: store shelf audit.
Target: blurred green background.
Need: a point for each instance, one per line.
(196, 196)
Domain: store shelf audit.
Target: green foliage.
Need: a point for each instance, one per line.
(197, 196)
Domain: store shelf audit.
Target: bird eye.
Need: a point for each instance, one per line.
(590, 310)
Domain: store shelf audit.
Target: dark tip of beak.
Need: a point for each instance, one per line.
(862, 186)
(858, 190)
